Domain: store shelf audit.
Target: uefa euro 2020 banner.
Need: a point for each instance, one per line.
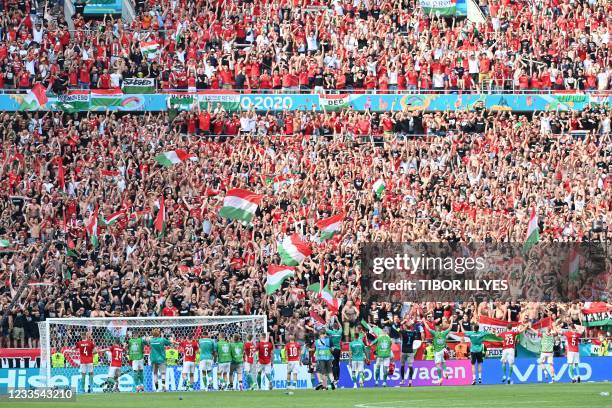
(526, 371)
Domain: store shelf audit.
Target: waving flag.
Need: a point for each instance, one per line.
(160, 219)
(240, 204)
(92, 227)
(149, 48)
(533, 232)
(172, 157)
(113, 217)
(276, 276)
(36, 97)
(379, 187)
(293, 250)
(330, 226)
(327, 295)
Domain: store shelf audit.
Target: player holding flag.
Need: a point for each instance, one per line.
(572, 338)
(508, 351)
(190, 349)
(207, 348)
(439, 346)
(292, 350)
(86, 349)
(357, 360)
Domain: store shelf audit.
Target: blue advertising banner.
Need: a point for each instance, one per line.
(115, 100)
(526, 371)
(101, 7)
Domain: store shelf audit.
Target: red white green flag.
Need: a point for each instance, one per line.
(113, 218)
(240, 204)
(276, 276)
(160, 219)
(293, 250)
(172, 157)
(92, 227)
(533, 231)
(330, 226)
(327, 295)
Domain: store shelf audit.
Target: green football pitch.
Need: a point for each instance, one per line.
(493, 396)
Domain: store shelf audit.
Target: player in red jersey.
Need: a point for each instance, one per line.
(293, 352)
(114, 369)
(508, 353)
(265, 348)
(86, 349)
(249, 361)
(189, 349)
(572, 338)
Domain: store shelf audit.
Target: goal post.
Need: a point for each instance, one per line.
(60, 336)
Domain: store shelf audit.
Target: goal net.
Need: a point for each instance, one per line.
(60, 361)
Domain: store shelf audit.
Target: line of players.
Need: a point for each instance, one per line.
(255, 359)
(233, 358)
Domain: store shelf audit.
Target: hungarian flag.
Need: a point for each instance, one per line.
(92, 227)
(36, 97)
(61, 177)
(172, 157)
(113, 218)
(106, 98)
(331, 102)
(240, 204)
(533, 232)
(329, 226)
(492, 325)
(325, 294)
(280, 181)
(293, 250)
(572, 264)
(276, 276)
(149, 48)
(160, 220)
(379, 187)
(597, 314)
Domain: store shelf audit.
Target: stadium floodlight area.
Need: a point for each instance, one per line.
(61, 335)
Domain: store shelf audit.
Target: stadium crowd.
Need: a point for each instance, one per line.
(313, 45)
(474, 177)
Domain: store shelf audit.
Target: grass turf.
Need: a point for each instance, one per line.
(491, 396)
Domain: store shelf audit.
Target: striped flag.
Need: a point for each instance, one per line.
(172, 157)
(330, 226)
(36, 97)
(327, 295)
(276, 276)
(113, 218)
(293, 250)
(379, 187)
(92, 227)
(240, 204)
(533, 232)
(149, 48)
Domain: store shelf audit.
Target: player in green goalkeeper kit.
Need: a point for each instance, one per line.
(357, 360)
(136, 358)
(383, 357)
(439, 346)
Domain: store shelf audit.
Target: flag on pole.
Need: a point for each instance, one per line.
(379, 187)
(113, 218)
(92, 227)
(160, 220)
(330, 226)
(293, 250)
(172, 157)
(533, 232)
(61, 177)
(240, 204)
(276, 276)
(327, 295)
